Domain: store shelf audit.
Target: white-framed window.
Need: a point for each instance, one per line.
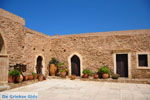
(143, 60)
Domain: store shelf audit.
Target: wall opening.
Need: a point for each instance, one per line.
(122, 64)
(75, 65)
(39, 65)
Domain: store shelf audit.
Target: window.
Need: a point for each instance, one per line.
(143, 60)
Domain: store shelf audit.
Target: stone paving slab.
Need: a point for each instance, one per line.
(58, 89)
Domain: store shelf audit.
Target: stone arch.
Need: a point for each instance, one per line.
(2, 45)
(39, 64)
(4, 64)
(75, 64)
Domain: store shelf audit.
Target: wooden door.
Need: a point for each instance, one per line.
(75, 65)
(122, 64)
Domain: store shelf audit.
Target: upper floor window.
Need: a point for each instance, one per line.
(143, 60)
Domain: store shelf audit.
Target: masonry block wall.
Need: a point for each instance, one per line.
(98, 49)
(36, 44)
(24, 45)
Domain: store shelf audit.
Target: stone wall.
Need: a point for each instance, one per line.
(24, 45)
(11, 16)
(98, 49)
(36, 44)
(13, 34)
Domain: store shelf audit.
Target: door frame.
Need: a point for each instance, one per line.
(69, 62)
(129, 63)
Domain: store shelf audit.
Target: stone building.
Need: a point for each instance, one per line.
(125, 52)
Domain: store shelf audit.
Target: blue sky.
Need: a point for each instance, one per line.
(81, 16)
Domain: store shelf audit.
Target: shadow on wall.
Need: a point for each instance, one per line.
(1, 45)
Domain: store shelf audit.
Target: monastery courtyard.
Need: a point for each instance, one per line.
(65, 89)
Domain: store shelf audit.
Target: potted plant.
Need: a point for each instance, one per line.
(86, 73)
(25, 77)
(40, 77)
(15, 75)
(30, 77)
(53, 66)
(72, 77)
(104, 71)
(95, 75)
(34, 75)
(63, 71)
(11, 78)
(44, 77)
(115, 76)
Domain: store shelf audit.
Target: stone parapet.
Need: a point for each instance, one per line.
(11, 16)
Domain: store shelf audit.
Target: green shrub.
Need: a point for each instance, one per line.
(56, 62)
(87, 71)
(104, 69)
(14, 73)
(53, 61)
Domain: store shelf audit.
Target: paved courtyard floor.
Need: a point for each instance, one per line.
(65, 89)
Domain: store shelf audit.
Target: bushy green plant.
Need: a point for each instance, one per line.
(56, 62)
(104, 69)
(53, 61)
(87, 71)
(14, 73)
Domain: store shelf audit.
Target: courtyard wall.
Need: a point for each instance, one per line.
(24, 45)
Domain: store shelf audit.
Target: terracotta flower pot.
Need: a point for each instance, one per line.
(95, 76)
(105, 76)
(53, 69)
(63, 74)
(40, 77)
(44, 78)
(11, 79)
(30, 77)
(85, 76)
(19, 79)
(25, 78)
(72, 77)
(35, 76)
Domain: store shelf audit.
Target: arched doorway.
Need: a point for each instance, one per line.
(75, 65)
(39, 65)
